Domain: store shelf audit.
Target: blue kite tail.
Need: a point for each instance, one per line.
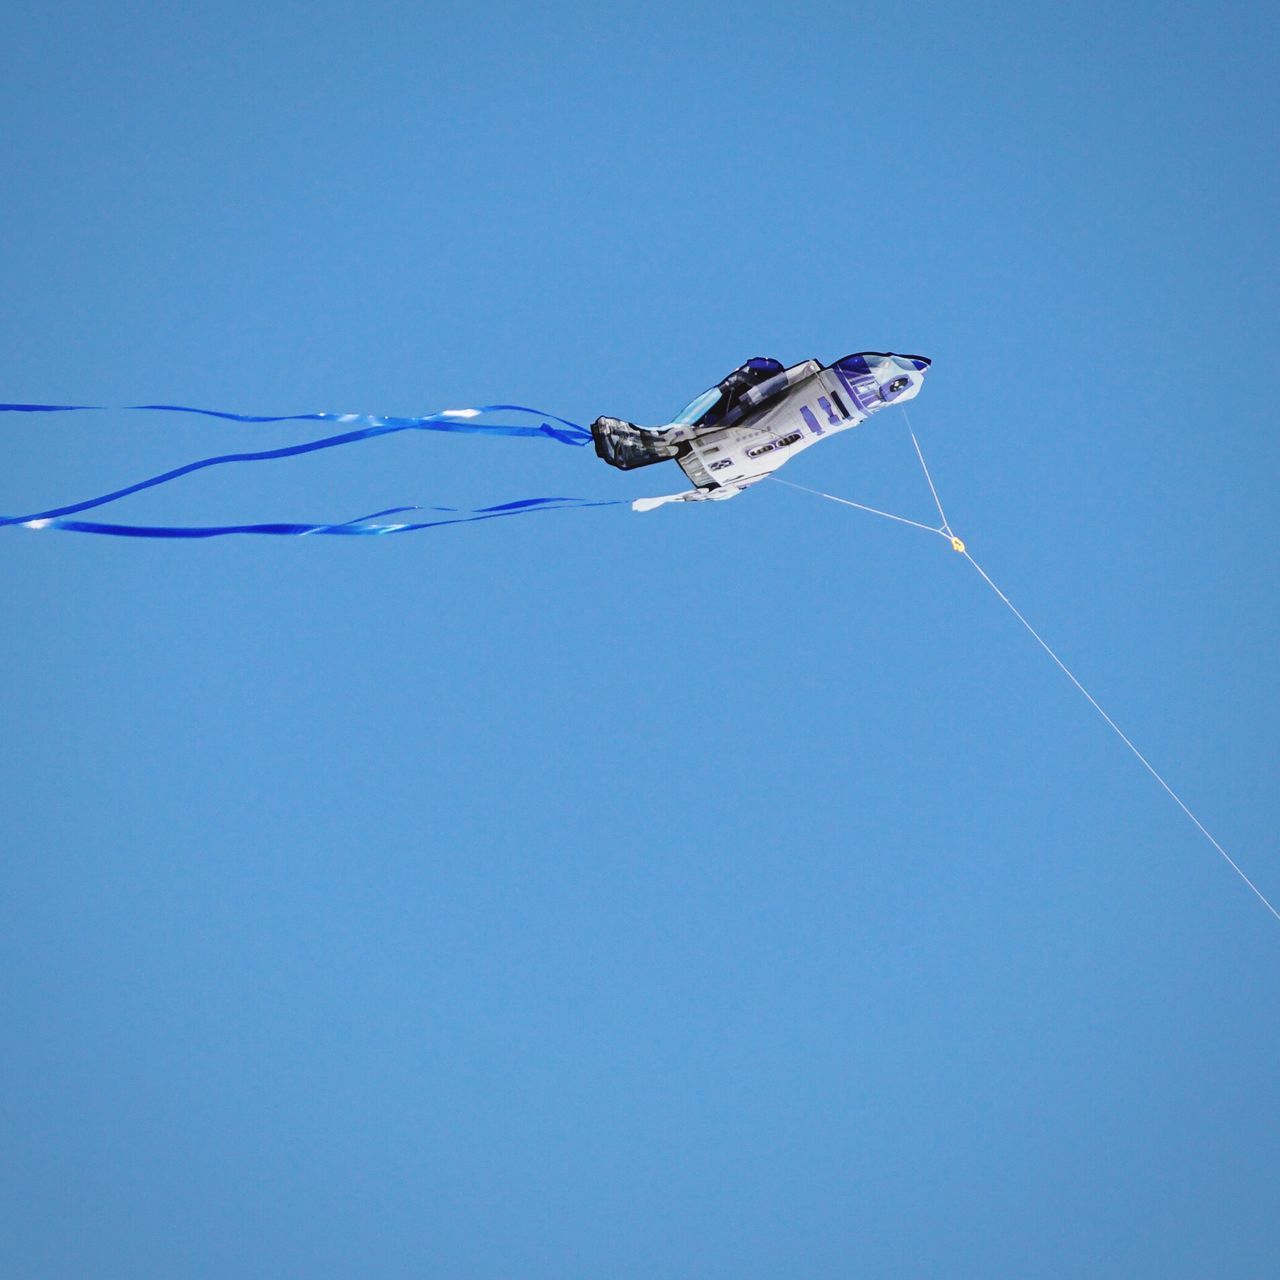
(358, 527)
(452, 419)
(364, 427)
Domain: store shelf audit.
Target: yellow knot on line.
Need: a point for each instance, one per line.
(956, 544)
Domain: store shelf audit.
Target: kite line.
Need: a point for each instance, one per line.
(1150, 768)
(944, 530)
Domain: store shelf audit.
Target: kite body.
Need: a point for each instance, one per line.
(738, 432)
(758, 418)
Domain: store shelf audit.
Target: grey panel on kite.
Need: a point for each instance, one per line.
(758, 418)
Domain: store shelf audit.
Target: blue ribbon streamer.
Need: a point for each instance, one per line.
(449, 420)
(351, 528)
(365, 427)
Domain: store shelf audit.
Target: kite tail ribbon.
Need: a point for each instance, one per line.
(364, 427)
(351, 528)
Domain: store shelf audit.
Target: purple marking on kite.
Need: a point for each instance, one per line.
(862, 393)
(825, 405)
(807, 414)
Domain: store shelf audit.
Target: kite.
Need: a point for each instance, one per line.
(729, 438)
(759, 417)
(740, 431)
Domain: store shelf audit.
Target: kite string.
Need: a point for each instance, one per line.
(946, 528)
(875, 511)
(1093, 702)
(1150, 768)
(947, 532)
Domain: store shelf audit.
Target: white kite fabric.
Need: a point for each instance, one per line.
(944, 530)
(758, 418)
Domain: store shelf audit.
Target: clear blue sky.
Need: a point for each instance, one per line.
(730, 891)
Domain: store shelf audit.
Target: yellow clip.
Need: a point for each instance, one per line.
(956, 544)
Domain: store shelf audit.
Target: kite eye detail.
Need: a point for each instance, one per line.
(898, 384)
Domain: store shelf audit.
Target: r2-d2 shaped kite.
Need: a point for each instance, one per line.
(759, 417)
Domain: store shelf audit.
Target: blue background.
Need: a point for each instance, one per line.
(731, 891)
